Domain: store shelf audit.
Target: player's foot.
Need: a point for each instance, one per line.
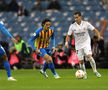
(85, 76)
(98, 74)
(11, 79)
(57, 76)
(43, 73)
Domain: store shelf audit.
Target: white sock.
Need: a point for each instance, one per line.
(82, 67)
(93, 64)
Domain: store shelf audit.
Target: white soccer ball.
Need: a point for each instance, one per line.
(79, 74)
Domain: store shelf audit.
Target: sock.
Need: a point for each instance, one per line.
(51, 66)
(93, 64)
(7, 67)
(82, 67)
(45, 66)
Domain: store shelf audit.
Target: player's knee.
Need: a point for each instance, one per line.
(81, 61)
(89, 58)
(48, 59)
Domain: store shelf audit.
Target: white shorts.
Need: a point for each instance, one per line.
(84, 52)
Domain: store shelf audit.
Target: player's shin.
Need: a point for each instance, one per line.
(7, 67)
(92, 63)
(45, 66)
(82, 67)
(51, 66)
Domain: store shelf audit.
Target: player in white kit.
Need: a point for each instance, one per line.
(80, 30)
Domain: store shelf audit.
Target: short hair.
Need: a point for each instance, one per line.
(45, 20)
(16, 36)
(77, 12)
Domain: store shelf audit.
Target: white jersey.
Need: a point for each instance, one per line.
(81, 34)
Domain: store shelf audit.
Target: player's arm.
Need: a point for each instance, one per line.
(53, 41)
(97, 33)
(67, 41)
(68, 36)
(32, 40)
(53, 37)
(5, 31)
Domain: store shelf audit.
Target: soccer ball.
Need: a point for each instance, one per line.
(79, 74)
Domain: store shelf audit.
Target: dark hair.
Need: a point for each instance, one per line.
(16, 36)
(44, 21)
(77, 12)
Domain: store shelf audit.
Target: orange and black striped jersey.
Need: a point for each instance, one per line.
(42, 38)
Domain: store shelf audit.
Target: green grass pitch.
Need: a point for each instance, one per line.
(33, 80)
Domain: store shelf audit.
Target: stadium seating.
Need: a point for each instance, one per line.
(91, 9)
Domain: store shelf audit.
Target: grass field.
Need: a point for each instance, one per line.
(33, 80)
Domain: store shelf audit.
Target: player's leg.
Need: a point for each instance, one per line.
(89, 57)
(45, 65)
(93, 65)
(48, 62)
(51, 66)
(6, 63)
(80, 54)
(43, 69)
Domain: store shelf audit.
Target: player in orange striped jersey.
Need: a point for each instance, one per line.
(40, 43)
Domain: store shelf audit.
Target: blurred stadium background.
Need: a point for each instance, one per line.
(36, 10)
(25, 24)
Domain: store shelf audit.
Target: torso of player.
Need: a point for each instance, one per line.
(44, 38)
(81, 34)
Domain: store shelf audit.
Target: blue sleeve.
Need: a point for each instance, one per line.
(32, 39)
(53, 37)
(5, 31)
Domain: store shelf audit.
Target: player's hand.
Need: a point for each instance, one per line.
(14, 40)
(100, 38)
(66, 44)
(37, 51)
(54, 49)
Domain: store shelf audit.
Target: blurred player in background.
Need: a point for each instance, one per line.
(40, 43)
(3, 55)
(80, 30)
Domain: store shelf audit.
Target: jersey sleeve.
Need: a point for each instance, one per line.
(70, 30)
(33, 37)
(4, 30)
(90, 26)
(53, 39)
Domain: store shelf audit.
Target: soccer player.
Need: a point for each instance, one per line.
(80, 30)
(40, 43)
(3, 55)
